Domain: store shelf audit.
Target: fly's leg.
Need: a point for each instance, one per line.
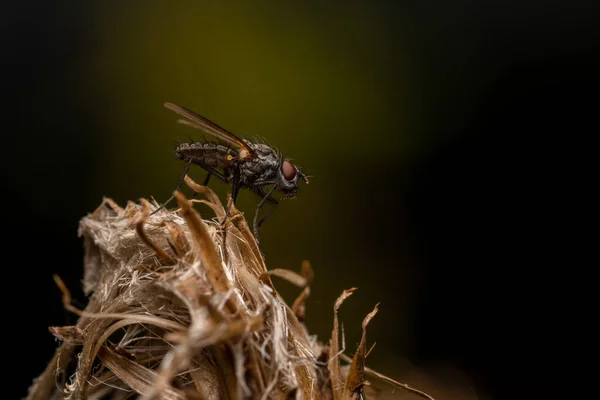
(179, 183)
(275, 203)
(207, 179)
(211, 171)
(270, 199)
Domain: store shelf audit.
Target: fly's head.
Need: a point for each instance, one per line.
(288, 176)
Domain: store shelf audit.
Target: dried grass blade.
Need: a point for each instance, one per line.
(356, 376)
(307, 271)
(206, 380)
(107, 205)
(180, 242)
(208, 254)
(209, 194)
(334, 347)
(299, 305)
(139, 228)
(390, 381)
(138, 377)
(68, 334)
(290, 276)
(249, 238)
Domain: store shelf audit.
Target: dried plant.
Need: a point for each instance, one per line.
(184, 308)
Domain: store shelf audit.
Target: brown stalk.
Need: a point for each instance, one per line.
(209, 194)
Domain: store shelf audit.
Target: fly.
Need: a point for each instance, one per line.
(241, 163)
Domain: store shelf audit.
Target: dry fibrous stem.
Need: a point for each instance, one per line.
(337, 383)
(356, 375)
(184, 308)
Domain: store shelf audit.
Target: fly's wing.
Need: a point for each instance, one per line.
(209, 127)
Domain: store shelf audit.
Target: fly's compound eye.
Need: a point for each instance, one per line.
(288, 170)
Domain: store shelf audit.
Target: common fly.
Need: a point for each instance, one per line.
(238, 162)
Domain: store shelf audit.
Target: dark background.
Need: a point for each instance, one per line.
(439, 134)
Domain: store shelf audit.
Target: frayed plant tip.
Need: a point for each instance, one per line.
(183, 307)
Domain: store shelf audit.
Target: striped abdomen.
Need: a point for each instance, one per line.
(211, 154)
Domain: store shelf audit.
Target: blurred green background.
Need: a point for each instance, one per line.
(415, 120)
(329, 86)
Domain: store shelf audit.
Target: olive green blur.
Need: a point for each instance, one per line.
(343, 89)
(331, 86)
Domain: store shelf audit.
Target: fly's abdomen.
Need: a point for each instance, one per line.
(211, 154)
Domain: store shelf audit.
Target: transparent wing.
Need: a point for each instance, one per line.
(199, 122)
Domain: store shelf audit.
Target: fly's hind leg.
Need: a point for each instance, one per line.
(211, 171)
(179, 183)
(207, 179)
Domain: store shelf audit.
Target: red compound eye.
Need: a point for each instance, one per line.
(288, 170)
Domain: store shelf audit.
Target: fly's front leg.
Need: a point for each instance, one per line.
(267, 197)
(275, 203)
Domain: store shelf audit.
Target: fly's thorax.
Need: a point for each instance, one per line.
(261, 168)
